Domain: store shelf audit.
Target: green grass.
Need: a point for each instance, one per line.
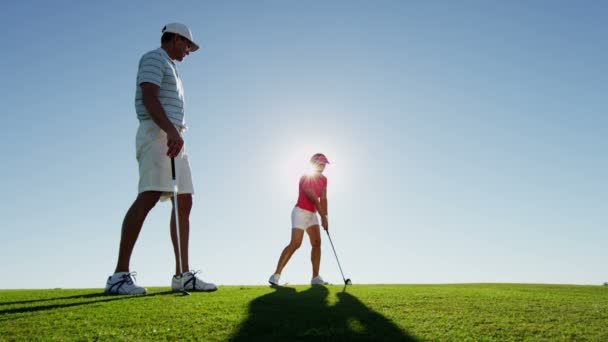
(473, 312)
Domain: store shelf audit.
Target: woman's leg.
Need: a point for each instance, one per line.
(296, 241)
(314, 233)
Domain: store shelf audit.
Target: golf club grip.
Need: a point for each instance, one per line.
(173, 168)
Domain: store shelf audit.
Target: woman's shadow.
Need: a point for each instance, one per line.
(288, 315)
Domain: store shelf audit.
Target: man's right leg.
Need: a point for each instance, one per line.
(131, 226)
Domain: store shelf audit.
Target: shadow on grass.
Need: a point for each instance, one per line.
(288, 315)
(83, 296)
(107, 298)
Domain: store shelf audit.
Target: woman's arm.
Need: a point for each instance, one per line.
(324, 218)
(320, 204)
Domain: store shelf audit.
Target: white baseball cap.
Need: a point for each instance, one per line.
(183, 31)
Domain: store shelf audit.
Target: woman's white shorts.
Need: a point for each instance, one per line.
(155, 166)
(302, 219)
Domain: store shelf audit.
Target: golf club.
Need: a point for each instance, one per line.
(346, 281)
(179, 250)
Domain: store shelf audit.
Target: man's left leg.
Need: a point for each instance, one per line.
(190, 282)
(184, 206)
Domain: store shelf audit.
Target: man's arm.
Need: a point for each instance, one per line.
(150, 94)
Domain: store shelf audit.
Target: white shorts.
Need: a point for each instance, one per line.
(155, 166)
(302, 219)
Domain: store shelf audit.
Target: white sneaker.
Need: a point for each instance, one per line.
(318, 281)
(123, 283)
(274, 279)
(191, 283)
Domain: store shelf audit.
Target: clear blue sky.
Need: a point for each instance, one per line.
(467, 139)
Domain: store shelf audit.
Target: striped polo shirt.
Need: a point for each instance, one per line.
(156, 67)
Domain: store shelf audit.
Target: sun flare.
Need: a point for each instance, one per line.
(296, 162)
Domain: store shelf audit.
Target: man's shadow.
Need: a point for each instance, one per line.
(79, 300)
(288, 315)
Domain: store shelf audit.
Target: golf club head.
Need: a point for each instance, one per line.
(348, 282)
(185, 293)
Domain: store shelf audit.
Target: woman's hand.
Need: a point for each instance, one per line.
(324, 222)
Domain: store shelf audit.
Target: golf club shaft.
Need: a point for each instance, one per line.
(332, 247)
(178, 237)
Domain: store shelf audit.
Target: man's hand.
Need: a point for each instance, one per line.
(324, 222)
(150, 93)
(174, 143)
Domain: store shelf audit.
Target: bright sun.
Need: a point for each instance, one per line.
(296, 162)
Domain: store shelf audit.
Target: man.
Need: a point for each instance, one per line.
(159, 103)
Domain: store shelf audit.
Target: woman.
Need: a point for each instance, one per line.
(312, 199)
